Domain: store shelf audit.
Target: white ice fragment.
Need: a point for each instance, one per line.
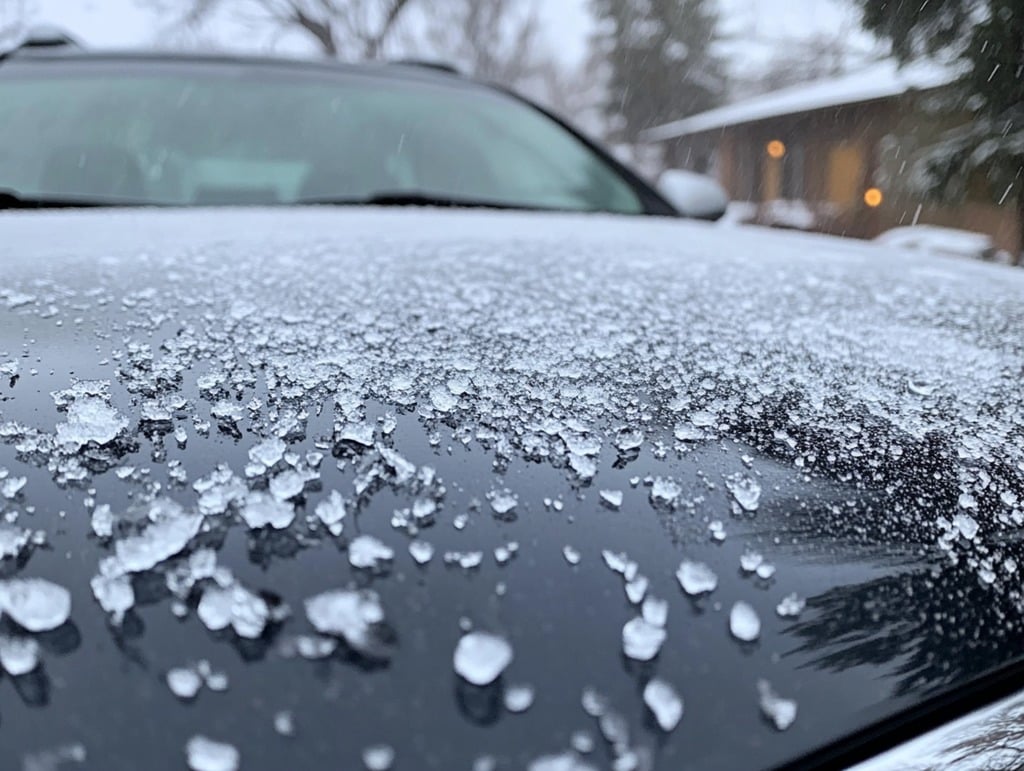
(966, 525)
(284, 723)
(665, 491)
(18, 655)
(518, 698)
(184, 682)
(750, 560)
(636, 589)
(481, 657)
(442, 399)
(205, 754)
(655, 611)
(379, 757)
(11, 486)
(114, 594)
(422, 552)
(663, 701)
(502, 501)
(696, 578)
(571, 554)
(287, 484)
(35, 604)
(262, 510)
(268, 453)
(235, 606)
(348, 613)
(357, 433)
(90, 419)
(331, 511)
(642, 640)
(13, 540)
(790, 606)
(102, 521)
(744, 622)
(745, 490)
(765, 571)
(160, 540)
(612, 498)
(369, 553)
(781, 712)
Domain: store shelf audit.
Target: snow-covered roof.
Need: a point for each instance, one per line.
(878, 81)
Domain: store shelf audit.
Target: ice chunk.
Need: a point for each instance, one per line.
(268, 453)
(35, 604)
(745, 490)
(612, 498)
(571, 554)
(481, 657)
(966, 525)
(235, 606)
(518, 698)
(114, 594)
(262, 510)
(13, 540)
(331, 511)
(284, 723)
(642, 640)
(636, 589)
(356, 616)
(696, 578)
(790, 606)
(90, 419)
(421, 551)
(781, 712)
(750, 560)
(18, 655)
(744, 622)
(205, 754)
(11, 486)
(663, 701)
(369, 553)
(287, 484)
(655, 611)
(665, 491)
(184, 682)
(379, 757)
(564, 761)
(503, 502)
(159, 541)
(102, 521)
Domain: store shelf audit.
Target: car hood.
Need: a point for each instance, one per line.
(232, 437)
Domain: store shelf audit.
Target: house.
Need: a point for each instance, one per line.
(834, 155)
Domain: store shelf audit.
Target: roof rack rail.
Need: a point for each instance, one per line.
(42, 36)
(429, 64)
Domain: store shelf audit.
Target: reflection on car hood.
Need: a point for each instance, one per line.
(423, 482)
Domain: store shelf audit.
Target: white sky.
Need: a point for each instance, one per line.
(755, 26)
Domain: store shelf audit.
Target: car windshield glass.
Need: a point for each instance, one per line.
(199, 136)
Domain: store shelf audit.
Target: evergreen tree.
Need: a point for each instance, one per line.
(660, 59)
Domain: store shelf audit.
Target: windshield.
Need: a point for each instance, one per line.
(228, 135)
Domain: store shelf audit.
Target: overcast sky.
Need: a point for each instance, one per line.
(754, 26)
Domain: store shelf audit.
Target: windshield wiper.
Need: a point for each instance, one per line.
(413, 198)
(10, 199)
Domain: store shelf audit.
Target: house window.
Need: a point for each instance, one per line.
(845, 174)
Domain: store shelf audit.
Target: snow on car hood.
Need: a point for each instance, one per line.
(495, 487)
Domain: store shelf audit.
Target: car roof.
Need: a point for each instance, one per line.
(405, 69)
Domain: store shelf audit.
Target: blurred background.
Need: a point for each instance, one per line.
(902, 121)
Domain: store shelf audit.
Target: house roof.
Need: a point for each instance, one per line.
(878, 81)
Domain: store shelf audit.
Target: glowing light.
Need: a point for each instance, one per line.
(873, 197)
(775, 149)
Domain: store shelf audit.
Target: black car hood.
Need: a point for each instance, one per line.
(492, 383)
